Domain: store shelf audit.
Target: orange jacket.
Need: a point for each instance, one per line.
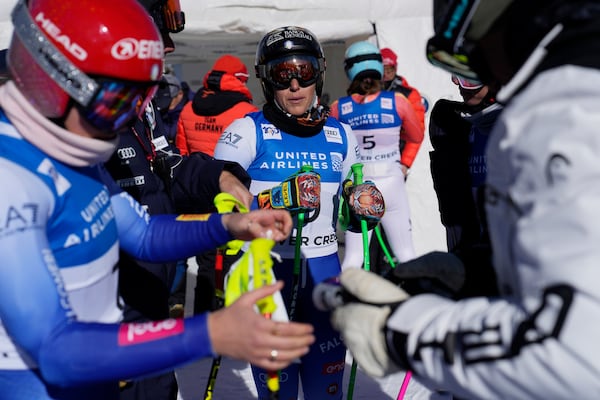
(401, 85)
(223, 99)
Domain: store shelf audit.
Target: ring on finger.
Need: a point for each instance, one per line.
(273, 355)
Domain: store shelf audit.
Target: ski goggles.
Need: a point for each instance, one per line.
(116, 103)
(458, 25)
(280, 72)
(169, 17)
(468, 84)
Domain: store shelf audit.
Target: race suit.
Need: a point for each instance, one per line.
(60, 232)
(540, 340)
(270, 155)
(377, 124)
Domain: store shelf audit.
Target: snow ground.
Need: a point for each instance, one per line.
(234, 380)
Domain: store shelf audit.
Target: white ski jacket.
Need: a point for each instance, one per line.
(540, 340)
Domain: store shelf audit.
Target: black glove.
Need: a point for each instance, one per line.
(436, 272)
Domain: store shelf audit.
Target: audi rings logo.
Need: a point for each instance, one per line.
(126, 153)
(283, 377)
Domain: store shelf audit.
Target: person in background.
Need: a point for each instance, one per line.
(64, 218)
(293, 130)
(223, 98)
(397, 83)
(538, 338)
(459, 131)
(379, 120)
(170, 99)
(146, 164)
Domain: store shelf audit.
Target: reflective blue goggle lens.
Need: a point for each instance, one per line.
(281, 71)
(117, 103)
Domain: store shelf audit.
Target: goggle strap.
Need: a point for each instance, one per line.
(349, 62)
(456, 22)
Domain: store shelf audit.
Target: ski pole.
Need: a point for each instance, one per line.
(387, 253)
(408, 374)
(357, 180)
(225, 203)
(263, 274)
(297, 265)
(297, 256)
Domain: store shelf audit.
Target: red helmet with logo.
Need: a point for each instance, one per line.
(87, 51)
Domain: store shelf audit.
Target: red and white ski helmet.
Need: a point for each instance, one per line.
(59, 50)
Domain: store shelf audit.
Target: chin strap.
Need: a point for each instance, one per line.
(315, 115)
(309, 124)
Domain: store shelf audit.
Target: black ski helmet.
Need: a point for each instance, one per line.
(458, 24)
(511, 29)
(283, 42)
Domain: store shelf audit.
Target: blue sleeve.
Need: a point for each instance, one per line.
(36, 314)
(163, 238)
(124, 351)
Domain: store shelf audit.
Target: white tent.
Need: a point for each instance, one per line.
(216, 27)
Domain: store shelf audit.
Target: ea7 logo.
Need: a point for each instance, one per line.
(17, 218)
(230, 138)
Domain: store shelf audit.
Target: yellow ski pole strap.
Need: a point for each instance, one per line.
(226, 203)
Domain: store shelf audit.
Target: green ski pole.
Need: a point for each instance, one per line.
(357, 180)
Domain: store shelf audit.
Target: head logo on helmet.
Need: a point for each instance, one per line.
(285, 42)
(60, 53)
(53, 31)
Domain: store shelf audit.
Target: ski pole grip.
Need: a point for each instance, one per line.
(226, 202)
(357, 172)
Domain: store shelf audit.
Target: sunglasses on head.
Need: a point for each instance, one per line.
(280, 72)
(116, 103)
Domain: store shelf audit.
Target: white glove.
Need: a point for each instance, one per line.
(362, 322)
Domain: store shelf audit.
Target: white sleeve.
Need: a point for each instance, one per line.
(238, 142)
(539, 341)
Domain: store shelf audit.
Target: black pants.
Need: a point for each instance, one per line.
(205, 293)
